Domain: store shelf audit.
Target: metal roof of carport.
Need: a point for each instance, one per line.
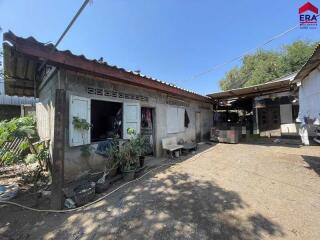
(279, 85)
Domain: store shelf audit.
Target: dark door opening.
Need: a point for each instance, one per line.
(106, 120)
(148, 128)
(198, 127)
(269, 118)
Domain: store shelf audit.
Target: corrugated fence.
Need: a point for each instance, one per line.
(15, 100)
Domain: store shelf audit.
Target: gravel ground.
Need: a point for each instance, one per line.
(242, 191)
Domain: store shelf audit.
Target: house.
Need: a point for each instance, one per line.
(308, 82)
(267, 109)
(111, 99)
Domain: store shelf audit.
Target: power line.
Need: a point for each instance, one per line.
(245, 53)
(84, 4)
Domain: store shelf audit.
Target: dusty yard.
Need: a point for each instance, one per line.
(243, 191)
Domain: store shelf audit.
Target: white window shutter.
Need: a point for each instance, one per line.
(79, 107)
(131, 118)
(175, 119)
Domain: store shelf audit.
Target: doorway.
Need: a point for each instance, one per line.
(148, 128)
(198, 127)
(269, 121)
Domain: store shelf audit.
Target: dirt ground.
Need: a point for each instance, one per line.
(224, 191)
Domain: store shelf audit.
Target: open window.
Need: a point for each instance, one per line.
(106, 120)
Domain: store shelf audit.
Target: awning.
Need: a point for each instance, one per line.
(278, 85)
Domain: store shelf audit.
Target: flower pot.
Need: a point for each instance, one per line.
(128, 175)
(141, 161)
(101, 187)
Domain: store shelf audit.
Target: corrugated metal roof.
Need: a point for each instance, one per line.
(12, 38)
(280, 84)
(312, 63)
(15, 100)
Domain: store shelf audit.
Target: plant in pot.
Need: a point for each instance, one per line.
(140, 144)
(113, 159)
(129, 156)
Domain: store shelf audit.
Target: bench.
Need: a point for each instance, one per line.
(170, 145)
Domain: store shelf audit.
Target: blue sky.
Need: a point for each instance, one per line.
(172, 40)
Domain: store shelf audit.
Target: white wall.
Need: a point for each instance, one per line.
(309, 96)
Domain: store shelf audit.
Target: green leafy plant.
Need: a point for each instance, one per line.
(81, 124)
(131, 150)
(22, 128)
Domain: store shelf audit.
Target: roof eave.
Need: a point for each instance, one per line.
(67, 60)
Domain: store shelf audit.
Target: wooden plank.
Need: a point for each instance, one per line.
(58, 150)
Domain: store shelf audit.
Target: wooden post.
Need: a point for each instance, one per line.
(58, 150)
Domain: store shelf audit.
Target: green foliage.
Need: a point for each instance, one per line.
(17, 128)
(23, 127)
(127, 155)
(264, 66)
(31, 158)
(10, 158)
(81, 124)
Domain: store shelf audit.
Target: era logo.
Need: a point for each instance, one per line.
(308, 16)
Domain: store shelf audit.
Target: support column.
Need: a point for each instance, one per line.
(58, 150)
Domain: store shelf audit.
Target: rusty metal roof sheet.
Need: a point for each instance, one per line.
(31, 47)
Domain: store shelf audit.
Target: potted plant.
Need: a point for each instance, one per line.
(129, 156)
(113, 159)
(140, 144)
(129, 159)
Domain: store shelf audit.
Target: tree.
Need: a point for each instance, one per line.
(264, 66)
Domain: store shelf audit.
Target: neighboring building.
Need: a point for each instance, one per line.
(14, 106)
(308, 81)
(110, 98)
(267, 109)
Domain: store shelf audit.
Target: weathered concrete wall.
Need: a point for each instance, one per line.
(45, 108)
(77, 84)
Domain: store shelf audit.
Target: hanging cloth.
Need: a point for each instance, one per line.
(186, 119)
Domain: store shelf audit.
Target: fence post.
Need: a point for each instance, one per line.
(58, 150)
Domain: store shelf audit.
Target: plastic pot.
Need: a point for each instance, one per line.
(141, 161)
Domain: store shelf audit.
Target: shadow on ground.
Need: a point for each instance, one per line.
(166, 204)
(313, 162)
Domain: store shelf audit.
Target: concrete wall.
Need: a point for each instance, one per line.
(77, 84)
